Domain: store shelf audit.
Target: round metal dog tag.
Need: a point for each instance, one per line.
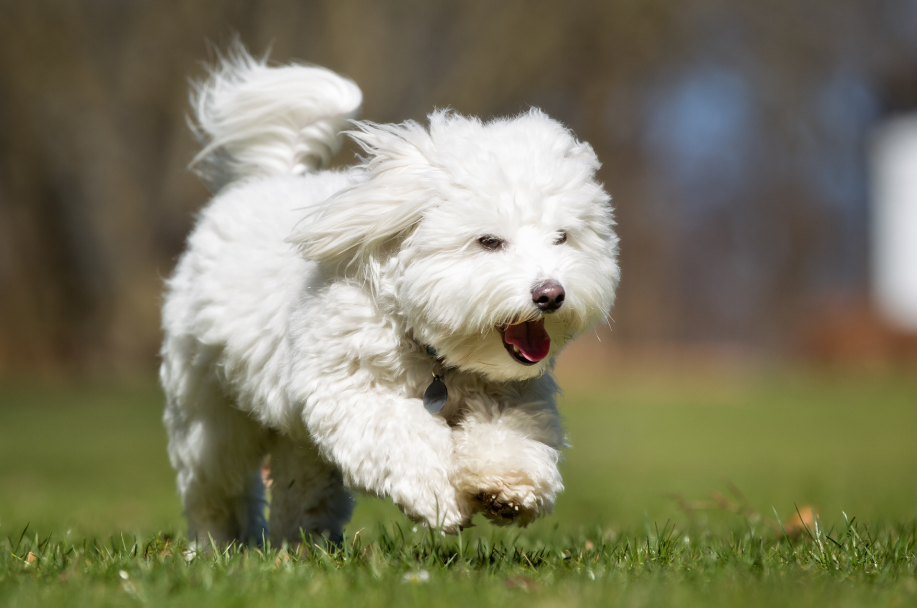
(434, 398)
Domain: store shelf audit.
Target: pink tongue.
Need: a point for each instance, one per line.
(530, 338)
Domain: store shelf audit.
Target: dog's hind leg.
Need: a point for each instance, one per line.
(217, 451)
(308, 497)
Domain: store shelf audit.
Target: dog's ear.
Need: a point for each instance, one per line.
(572, 147)
(582, 151)
(384, 206)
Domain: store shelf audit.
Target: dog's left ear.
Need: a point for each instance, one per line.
(365, 218)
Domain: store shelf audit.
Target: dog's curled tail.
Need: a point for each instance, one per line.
(256, 120)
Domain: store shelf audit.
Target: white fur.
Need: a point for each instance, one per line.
(298, 321)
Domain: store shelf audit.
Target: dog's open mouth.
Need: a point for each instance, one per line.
(527, 342)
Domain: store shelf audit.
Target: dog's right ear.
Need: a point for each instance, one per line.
(364, 219)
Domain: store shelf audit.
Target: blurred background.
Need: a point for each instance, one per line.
(762, 157)
(735, 138)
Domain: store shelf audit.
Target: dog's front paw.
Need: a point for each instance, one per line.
(446, 511)
(503, 509)
(506, 468)
(509, 490)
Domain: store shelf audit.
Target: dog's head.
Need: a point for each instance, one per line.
(493, 241)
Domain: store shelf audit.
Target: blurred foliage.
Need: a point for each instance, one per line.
(732, 134)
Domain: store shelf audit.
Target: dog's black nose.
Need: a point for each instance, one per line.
(549, 295)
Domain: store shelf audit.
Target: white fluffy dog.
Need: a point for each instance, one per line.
(322, 316)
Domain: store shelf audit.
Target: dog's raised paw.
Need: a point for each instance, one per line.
(502, 511)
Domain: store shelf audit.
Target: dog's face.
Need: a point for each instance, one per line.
(499, 248)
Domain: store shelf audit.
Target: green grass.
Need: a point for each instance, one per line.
(84, 467)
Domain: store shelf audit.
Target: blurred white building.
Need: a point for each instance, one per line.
(894, 221)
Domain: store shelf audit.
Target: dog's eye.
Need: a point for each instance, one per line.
(491, 243)
(562, 238)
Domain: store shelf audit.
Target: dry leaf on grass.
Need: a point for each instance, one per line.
(803, 519)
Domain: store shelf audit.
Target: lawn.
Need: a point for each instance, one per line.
(83, 465)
